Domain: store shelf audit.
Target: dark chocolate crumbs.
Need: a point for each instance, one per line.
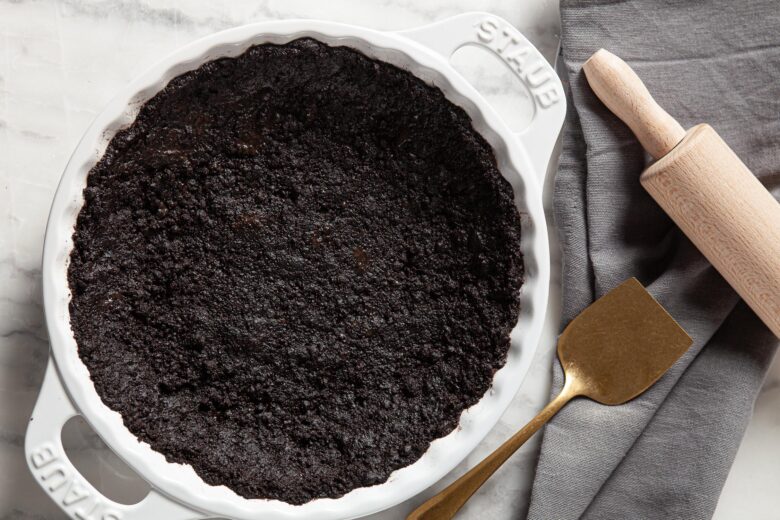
(294, 270)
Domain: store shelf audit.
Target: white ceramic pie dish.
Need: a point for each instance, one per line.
(177, 492)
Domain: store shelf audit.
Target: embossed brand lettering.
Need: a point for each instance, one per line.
(487, 30)
(55, 479)
(88, 514)
(548, 97)
(520, 58)
(75, 493)
(78, 498)
(42, 456)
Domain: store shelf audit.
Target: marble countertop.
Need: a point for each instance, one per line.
(62, 60)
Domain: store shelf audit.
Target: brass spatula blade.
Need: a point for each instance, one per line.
(621, 344)
(612, 352)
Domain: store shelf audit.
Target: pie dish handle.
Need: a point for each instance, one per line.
(523, 60)
(60, 479)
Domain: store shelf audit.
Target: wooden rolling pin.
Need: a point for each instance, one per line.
(703, 186)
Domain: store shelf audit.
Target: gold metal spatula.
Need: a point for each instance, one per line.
(612, 352)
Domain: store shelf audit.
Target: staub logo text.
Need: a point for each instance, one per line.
(521, 58)
(68, 489)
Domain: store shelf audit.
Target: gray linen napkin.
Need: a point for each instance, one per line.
(667, 453)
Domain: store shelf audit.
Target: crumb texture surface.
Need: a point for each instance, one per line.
(295, 270)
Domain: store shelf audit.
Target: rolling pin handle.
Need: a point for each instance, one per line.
(703, 186)
(621, 90)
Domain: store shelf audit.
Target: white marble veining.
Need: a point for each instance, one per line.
(62, 60)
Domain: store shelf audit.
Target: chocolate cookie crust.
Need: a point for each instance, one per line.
(294, 270)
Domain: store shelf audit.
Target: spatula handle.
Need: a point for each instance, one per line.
(444, 505)
(618, 87)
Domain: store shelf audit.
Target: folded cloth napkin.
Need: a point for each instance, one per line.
(667, 453)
